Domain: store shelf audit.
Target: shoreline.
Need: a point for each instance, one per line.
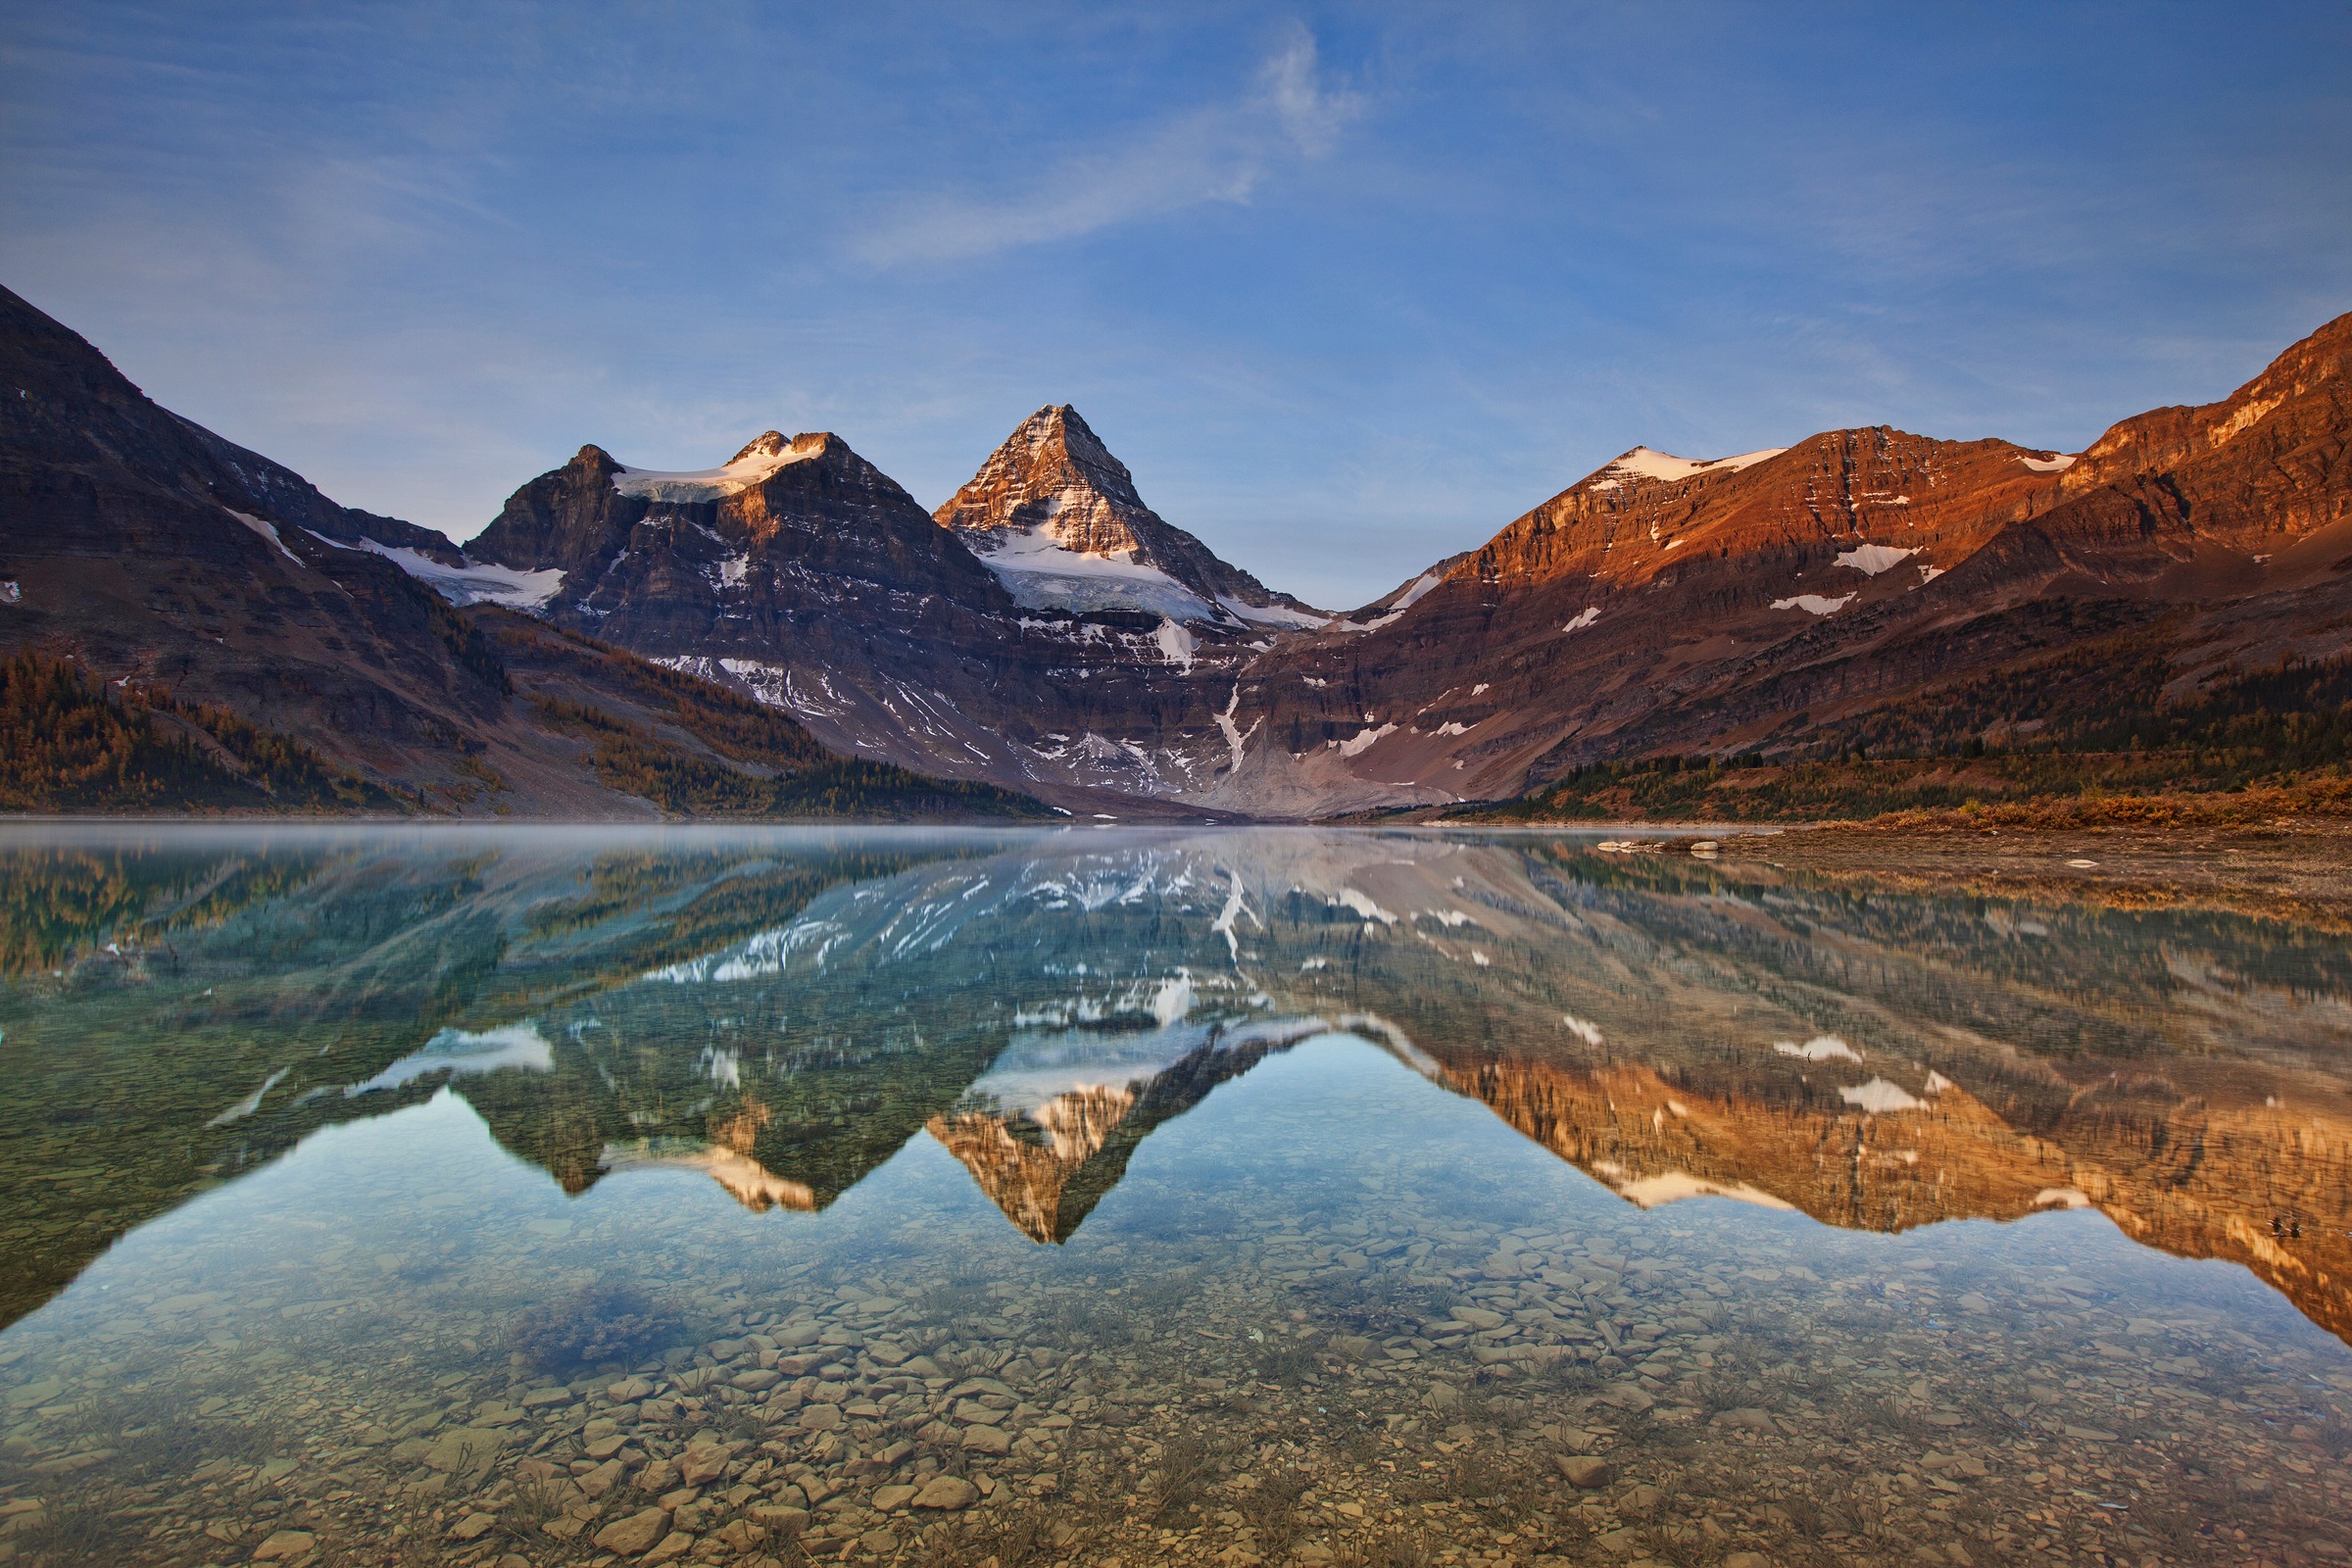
(2295, 871)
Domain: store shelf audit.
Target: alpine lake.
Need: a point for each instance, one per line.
(537, 1197)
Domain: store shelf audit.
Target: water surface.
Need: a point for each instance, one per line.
(554, 1197)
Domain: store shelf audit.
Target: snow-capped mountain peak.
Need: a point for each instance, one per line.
(1057, 518)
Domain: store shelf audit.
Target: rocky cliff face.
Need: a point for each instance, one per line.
(573, 520)
(2262, 469)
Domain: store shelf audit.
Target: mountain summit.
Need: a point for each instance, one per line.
(1056, 516)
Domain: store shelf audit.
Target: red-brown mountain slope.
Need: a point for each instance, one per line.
(1757, 603)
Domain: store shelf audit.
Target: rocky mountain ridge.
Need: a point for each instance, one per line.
(1044, 631)
(1091, 671)
(1757, 606)
(1740, 605)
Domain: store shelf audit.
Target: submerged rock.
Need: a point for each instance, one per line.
(635, 1534)
(1584, 1472)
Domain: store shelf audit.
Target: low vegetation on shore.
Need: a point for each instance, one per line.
(2107, 750)
(71, 744)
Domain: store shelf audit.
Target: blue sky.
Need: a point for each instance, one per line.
(1346, 287)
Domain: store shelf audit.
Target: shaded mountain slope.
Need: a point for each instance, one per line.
(90, 466)
(214, 625)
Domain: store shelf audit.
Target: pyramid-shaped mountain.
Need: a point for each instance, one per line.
(1056, 516)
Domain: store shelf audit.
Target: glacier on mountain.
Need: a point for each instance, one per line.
(474, 584)
(750, 466)
(1042, 573)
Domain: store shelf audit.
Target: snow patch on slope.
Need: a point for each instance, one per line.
(1880, 1098)
(1821, 1047)
(1419, 591)
(1815, 604)
(1584, 618)
(1419, 588)
(267, 530)
(1645, 463)
(1270, 615)
(1176, 645)
(2055, 462)
(1235, 735)
(1871, 560)
(1413, 594)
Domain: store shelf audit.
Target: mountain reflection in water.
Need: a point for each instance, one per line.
(381, 1197)
(785, 1012)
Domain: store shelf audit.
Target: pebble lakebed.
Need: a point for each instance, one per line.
(1307, 1359)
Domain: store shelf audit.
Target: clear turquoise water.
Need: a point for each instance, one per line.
(399, 1196)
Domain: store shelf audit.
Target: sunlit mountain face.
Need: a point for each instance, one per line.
(668, 1195)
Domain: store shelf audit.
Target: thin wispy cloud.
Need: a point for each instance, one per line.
(1223, 152)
